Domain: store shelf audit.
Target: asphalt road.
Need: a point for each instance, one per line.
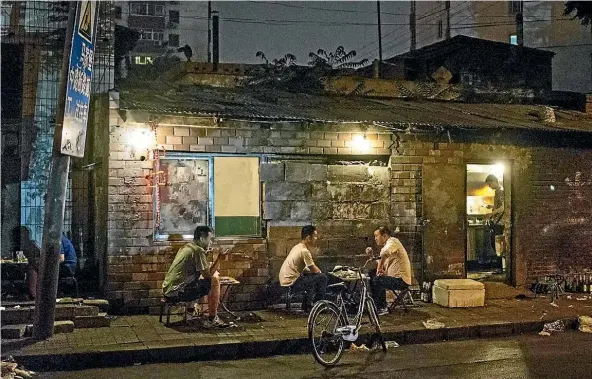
(563, 355)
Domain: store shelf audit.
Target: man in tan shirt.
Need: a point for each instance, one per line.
(299, 270)
(394, 269)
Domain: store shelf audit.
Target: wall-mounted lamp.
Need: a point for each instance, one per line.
(141, 141)
(361, 143)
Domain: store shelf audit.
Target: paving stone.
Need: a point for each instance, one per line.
(13, 331)
(20, 315)
(99, 321)
(102, 304)
(63, 327)
(85, 310)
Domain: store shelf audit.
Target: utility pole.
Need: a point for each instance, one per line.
(209, 32)
(447, 19)
(47, 286)
(216, 40)
(412, 28)
(520, 25)
(379, 40)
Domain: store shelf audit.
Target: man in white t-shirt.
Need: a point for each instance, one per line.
(394, 269)
(299, 270)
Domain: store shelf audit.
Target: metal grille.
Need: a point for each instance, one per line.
(40, 26)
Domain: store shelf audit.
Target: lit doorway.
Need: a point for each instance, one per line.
(487, 220)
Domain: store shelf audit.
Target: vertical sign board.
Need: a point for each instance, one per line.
(79, 79)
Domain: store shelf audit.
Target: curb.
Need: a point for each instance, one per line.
(139, 353)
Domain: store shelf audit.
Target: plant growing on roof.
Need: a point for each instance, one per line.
(287, 60)
(283, 73)
(337, 60)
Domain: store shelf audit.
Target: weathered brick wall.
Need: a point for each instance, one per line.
(557, 227)
(346, 203)
(550, 212)
(550, 228)
(137, 264)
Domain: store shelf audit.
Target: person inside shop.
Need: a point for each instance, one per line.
(191, 276)
(393, 270)
(494, 219)
(300, 272)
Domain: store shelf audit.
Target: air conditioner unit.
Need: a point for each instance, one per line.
(172, 25)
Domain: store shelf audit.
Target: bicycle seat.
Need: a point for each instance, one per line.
(337, 287)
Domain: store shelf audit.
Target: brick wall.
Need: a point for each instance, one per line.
(551, 228)
(557, 228)
(346, 202)
(137, 264)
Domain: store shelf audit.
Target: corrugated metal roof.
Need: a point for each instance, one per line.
(241, 103)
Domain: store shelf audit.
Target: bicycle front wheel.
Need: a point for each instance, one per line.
(323, 324)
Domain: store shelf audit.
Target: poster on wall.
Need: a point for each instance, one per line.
(79, 79)
(184, 200)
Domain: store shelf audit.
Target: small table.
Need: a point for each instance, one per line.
(227, 281)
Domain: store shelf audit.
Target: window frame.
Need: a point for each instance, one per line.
(152, 32)
(513, 35)
(178, 39)
(135, 7)
(177, 18)
(211, 219)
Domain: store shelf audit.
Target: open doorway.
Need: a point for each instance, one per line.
(487, 215)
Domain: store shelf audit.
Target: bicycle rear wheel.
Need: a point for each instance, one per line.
(373, 315)
(327, 343)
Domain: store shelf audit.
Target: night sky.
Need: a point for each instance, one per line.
(251, 26)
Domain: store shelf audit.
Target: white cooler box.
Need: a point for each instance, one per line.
(459, 293)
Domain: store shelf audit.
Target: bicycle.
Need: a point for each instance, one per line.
(332, 334)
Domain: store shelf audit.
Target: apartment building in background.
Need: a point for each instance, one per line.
(544, 27)
(165, 26)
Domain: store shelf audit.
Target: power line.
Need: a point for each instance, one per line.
(429, 13)
(321, 9)
(288, 22)
(399, 38)
(457, 23)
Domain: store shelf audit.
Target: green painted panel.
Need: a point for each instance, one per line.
(238, 226)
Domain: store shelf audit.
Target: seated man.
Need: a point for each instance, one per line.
(393, 270)
(183, 278)
(299, 270)
(67, 255)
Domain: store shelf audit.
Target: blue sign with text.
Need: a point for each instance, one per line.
(79, 79)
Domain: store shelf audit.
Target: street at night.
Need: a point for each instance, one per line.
(221, 189)
(563, 355)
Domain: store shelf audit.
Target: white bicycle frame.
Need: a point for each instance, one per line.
(349, 332)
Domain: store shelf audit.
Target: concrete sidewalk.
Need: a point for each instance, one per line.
(142, 339)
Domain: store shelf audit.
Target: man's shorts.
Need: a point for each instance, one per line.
(196, 290)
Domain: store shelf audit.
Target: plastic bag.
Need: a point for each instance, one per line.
(433, 324)
(555, 326)
(585, 323)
